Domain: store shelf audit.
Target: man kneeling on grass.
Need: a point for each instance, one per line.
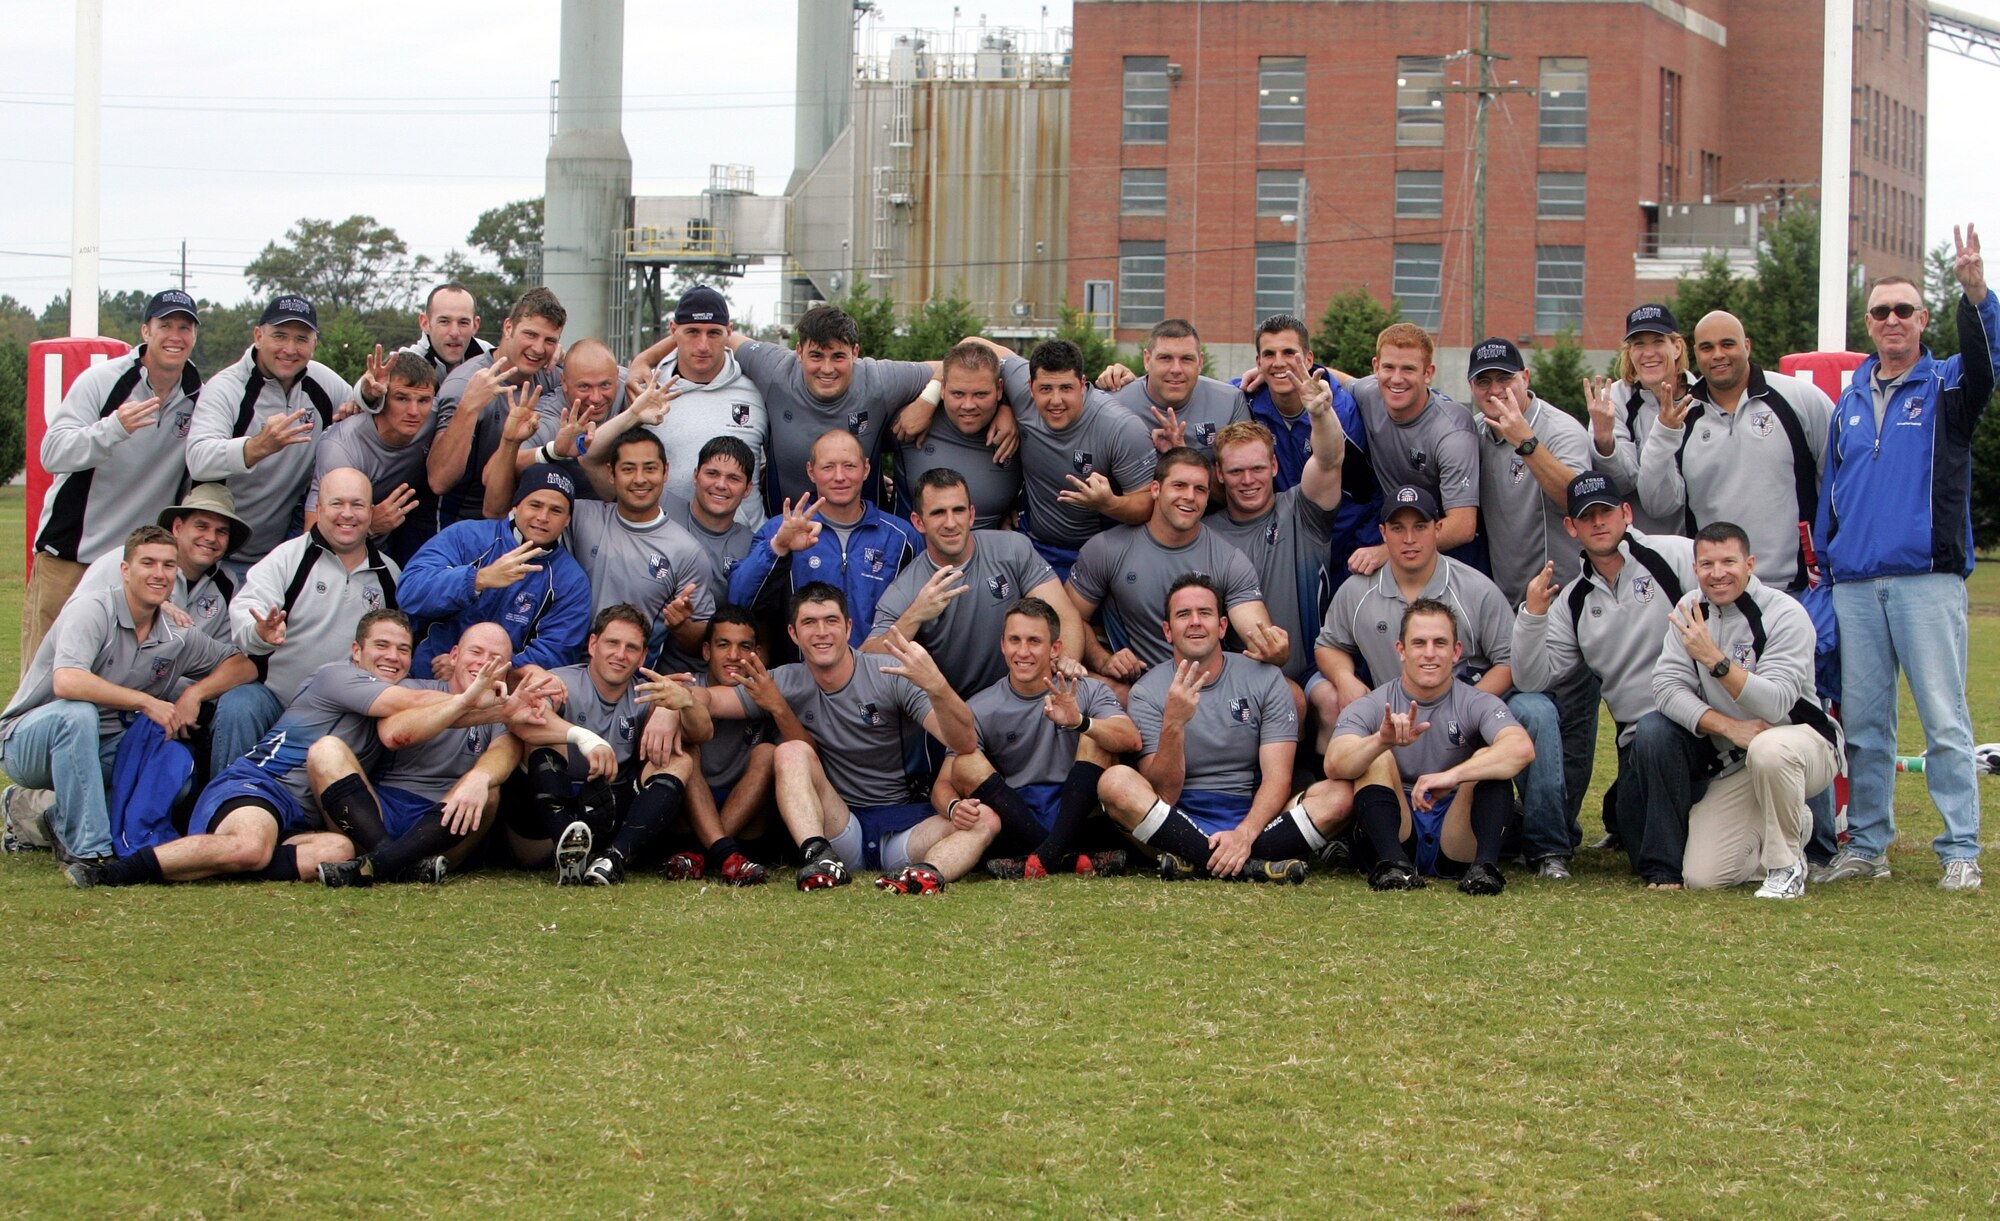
(610, 773)
(438, 795)
(1219, 734)
(1430, 758)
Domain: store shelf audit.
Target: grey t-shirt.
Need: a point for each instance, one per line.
(1437, 451)
(96, 633)
(1366, 617)
(1247, 707)
(617, 721)
(1213, 406)
(1463, 719)
(1023, 745)
(1524, 528)
(724, 550)
(994, 489)
(866, 732)
(429, 769)
(461, 501)
(880, 389)
(965, 639)
(333, 702)
(727, 753)
(1104, 437)
(644, 564)
(206, 601)
(1289, 545)
(354, 442)
(1128, 571)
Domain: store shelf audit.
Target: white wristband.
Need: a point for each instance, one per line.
(583, 739)
(546, 453)
(933, 393)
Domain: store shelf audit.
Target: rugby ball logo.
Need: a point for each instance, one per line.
(1743, 654)
(207, 605)
(373, 598)
(1762, 423)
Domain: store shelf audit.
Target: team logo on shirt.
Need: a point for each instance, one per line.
(739, 414)
(1382, 627)
(788, 417)
(1642, 587)
(181, 421)
(1203, 435)
(1239, 711)
(373, 598)
(1084, 461)
(812, 561)
(1454, 733)
(206, 605)
(1516, 470)
(524, 605)
(319, 587)
(1704, 434)
(1013, 735)
(626, 727)
(728, 565)
(1596, 611)
(1743, 654)
(999, 586)
(872, 556)
(472, 744)
(160, 668)
(871, 715)
(857, 422)
(657, 567)
(1419, 459)
(1271, 531)
(1912, 412)
(1131, 577)
(1762, 423)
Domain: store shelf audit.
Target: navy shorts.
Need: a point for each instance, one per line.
(1213, 812)
(402, 809)
(883, 827)
(243, 781)
(1043, 802)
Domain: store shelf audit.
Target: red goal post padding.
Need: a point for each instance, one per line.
(53, 364)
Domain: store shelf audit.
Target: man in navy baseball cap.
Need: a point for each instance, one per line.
(1410, 496)
(702, 304)
(172, 301)
(1494, 353)
(290, 308)
(1651, 320)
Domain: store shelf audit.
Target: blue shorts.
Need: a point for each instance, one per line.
(243, 781)
(1043, 802)
(402, 809)
(874, 837)
(1062, 559)
(721, 795)
(1213, 812)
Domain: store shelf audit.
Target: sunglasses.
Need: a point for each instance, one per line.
(1902, 309)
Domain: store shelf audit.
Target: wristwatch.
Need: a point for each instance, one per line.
(1720, 668)
(1527, 447)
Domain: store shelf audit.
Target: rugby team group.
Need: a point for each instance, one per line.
(736, 605)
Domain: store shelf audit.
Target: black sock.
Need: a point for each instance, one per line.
(1283, 841)
(1492, 806)
(548, 778)
(658, 801)
(719, 852)
(421, 842)
(1180, 836)
(1381, 820)
(354, 810)
(1077, 799)
(284, 866)
(142, 866)
(815, 848)
(1018, 823)
(598, 809)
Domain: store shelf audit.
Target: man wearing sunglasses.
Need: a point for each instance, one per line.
(1896, 529)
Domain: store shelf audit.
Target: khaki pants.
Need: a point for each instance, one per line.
(51, 584)
(1755, 819)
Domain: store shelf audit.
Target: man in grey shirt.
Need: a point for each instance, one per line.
(711, 517)
(954, 597)
(1174, 401)
(205, 527)
(957, 440)
(716, 399)
(1129, 570)
(257, 420)
(1086, 462)
(468, 429)
(1430, 758)
(1418, 437)
(1218, 736)
(109, 658)
(388, 446)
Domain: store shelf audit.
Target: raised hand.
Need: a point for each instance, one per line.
(1318, 395)
(670, 691)
(756, 679)
(1673, 411)
(1364, 560)
(1115, 378)
(1400, 729)
(652, 404)
(1967, 265)
(680, 610)
(1184, 693)
(138, 413)
(486, 689)
(1268, 643)
(914, 662)
(375, 378)
(270, 626)
(1692, 623)
(1171, 433)
(276, 432)
(1597, 396)
(937, 593)
(1093, 493)
(1059, 705)
(486, 385)
(509, 568)
(522, 418)
(1506, 411)
(390, 511)
(1541, 590)
(576, 422)
(797, 530)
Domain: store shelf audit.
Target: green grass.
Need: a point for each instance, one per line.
(1055, 1049)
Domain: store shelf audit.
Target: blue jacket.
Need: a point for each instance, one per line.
(1900, 503)
(547, 613)
(877, 549)
(1354, 522)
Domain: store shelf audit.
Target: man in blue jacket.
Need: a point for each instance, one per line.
(853, 545)
(514, 572)
(1896, 531)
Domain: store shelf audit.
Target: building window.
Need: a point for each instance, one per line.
(1278, 191)
(1420, 100)
(1558, 288)
(1559, 196)
(1281, 99)
(1142, 192)
(1276, 279)
(1142, 283)
(1145, 99)
(1565, 98)
(1670, 135)
(1420, 192)
(1419, 271)
(1097, 297)
(1711, 176)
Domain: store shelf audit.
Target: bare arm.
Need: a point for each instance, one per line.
(1458, 527)
(1073, 630)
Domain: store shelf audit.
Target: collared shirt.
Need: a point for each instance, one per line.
(206, 601)
(269, 495)
(96, 633)
(109, 482)
(429, 768)
(1366, 619)
(1776, 679)
(1524, 528)
(319, 627)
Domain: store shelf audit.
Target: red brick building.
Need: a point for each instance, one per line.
(1193, 123)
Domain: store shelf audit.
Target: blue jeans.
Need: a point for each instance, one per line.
(242, 716)
(57, 747)
(1545, 819)
(1917, 624)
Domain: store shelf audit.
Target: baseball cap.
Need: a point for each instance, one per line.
(1591, 488)
(1651, 320)
(172, 301)
(702, 304)
(1409, 496)
(290, 308)
(1494, 353)
(544, 477)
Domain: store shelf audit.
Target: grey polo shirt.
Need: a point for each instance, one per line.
(994, 488)
(618, 721)
(1633, 410)
(864, 732)
(1104, 437)
(268, 495)
(1023, 745)
(355, 442)
(1366, 619)
(1289, 545)
(1524, 528)
(1436, 451)
(1127, 571)
(96, 633)
(1246, 707)
(107, 482)
(320, 625)
(1777, 678)
(428, 769)
(1213, 406)
(206, 601)
(1463, 720)
(965, 640)
(334, 702)
(879, 390)
(644, 564)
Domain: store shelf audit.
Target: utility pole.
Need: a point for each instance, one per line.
(1485, 90)
(184, 265)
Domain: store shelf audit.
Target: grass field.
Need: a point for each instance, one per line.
(496, 1046)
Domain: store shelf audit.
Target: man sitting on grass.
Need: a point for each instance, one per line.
(1219, 732)
(737, 761)
(1046, 734)
(1430, 756)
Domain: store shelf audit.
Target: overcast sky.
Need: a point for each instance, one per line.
(224, 122)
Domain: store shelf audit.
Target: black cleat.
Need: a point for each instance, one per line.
(337, 874)
(1107, 864)
(1007, 868)
(572, 854)
(1282, 873)
(1394, 875)
(604, 871)
(824, 874)
(430, 870)
(1177, 869)
(1482, 879)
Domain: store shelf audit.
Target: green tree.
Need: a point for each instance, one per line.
(225, 333)
(1347, 330)
(1098, 348)
(1781, 315)
(1942, 291)
(876, 318)
(355, 264)
(1713, 288)
(118, 315)
(345, 343)
(13, 408)
(18, 322)
(1558, 373)
(937, 326)
(511, 235)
